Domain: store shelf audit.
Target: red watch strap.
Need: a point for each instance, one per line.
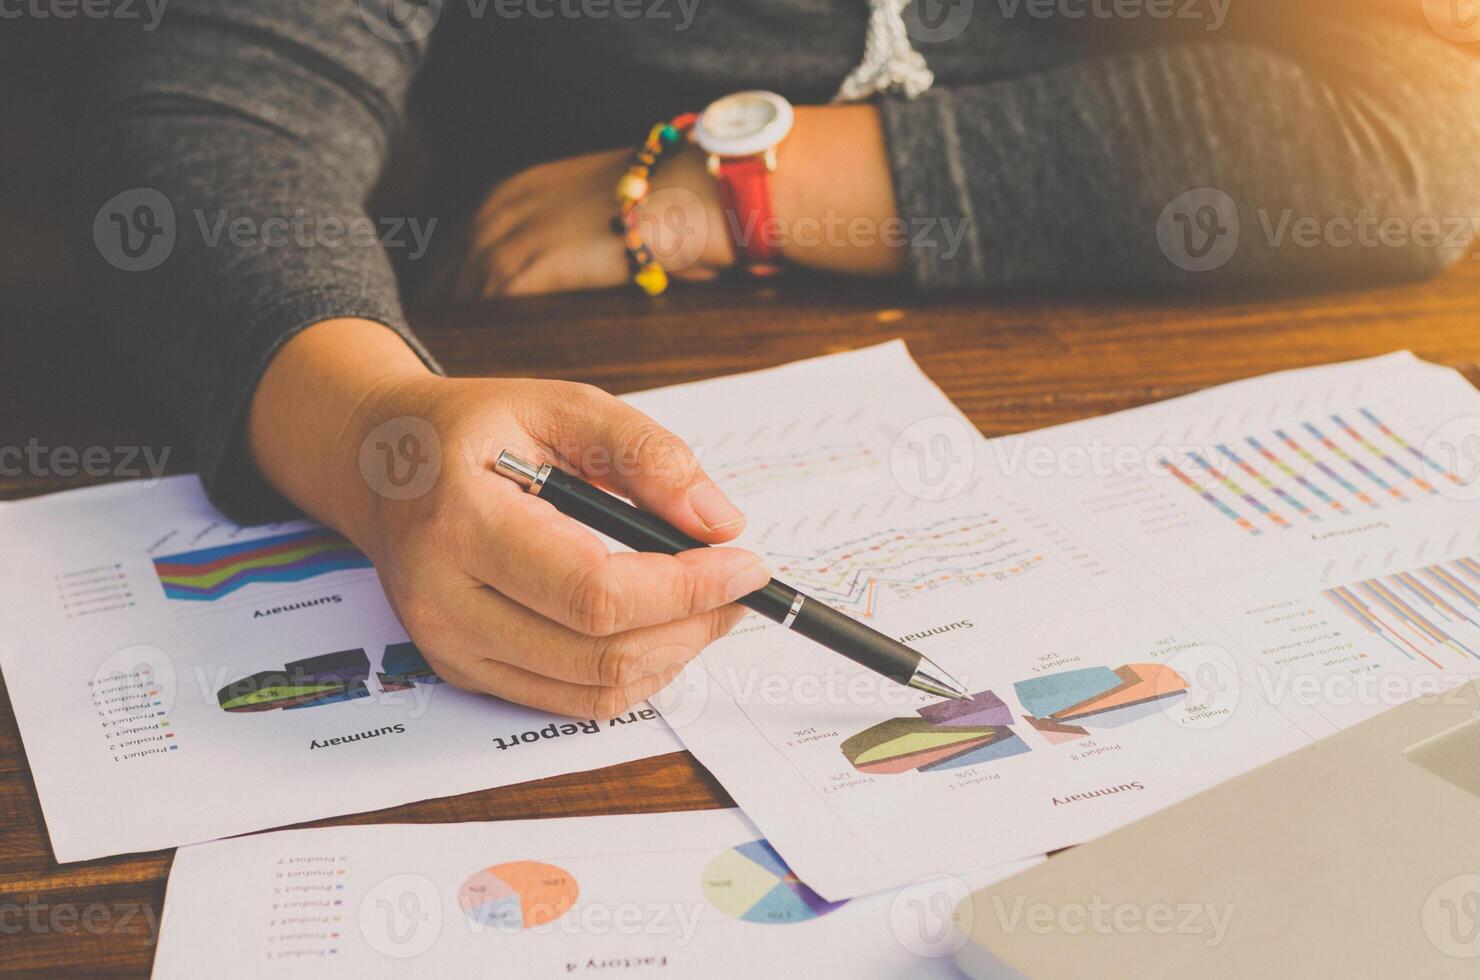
(745, 194)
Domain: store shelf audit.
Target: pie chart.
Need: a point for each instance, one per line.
(752, 883)
(518, 895)
(949, 735)
(1067, 705)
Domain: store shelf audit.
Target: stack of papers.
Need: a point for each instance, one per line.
(1142, 605)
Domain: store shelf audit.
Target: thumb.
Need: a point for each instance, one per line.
(608, 442)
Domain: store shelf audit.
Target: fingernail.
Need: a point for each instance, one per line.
(746, 581)
(714, 508)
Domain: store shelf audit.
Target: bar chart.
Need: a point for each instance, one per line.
(1431, 614)
(1335, 466)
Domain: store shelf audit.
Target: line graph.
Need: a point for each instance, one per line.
(758, 474)
(903, 561)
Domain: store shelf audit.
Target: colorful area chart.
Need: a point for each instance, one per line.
(947, 735)
(325, 679)
(518, 895)
(1067, 705)
(211, 573)
(752, 883)
(403, 667)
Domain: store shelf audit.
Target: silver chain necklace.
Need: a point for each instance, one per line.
(889, 61)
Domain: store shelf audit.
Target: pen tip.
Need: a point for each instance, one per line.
(932, 680)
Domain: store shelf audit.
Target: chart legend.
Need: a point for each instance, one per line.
(132, 714)
(99, 589)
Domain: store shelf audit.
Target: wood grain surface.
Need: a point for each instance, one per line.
(1011, 364)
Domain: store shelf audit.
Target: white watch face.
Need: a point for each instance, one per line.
(744, 123)
(739, 116)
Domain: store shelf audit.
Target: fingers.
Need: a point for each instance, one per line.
(543, 666)
(507, 595)
(534, 555)
(639, 459)
(556, 697)
(486, 625)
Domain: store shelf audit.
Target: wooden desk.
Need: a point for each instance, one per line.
(1010, 365)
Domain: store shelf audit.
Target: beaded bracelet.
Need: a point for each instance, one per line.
(632, 188)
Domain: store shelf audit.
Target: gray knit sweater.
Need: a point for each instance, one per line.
(1067, 144)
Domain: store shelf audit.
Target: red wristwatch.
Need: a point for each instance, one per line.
(740, 133)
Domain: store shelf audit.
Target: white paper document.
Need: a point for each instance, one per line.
(178, 678)
(665, 894)
(1142, 605)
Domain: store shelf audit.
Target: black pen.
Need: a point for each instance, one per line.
(778, 601)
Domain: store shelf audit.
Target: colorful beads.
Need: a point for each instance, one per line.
(652, 278)
(633, 186)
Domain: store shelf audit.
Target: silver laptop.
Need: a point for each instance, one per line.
(1356, 857)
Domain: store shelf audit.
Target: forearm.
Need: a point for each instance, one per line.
(314, 407)
(832, 200)
(833, 196)
(1062, 179)
(263, 127)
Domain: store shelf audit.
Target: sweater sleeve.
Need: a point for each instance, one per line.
(1342, 151)
(223, 169)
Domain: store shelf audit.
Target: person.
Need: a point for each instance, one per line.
(1026, 146)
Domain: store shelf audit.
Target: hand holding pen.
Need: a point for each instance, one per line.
(776, 601)
(502, 593)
